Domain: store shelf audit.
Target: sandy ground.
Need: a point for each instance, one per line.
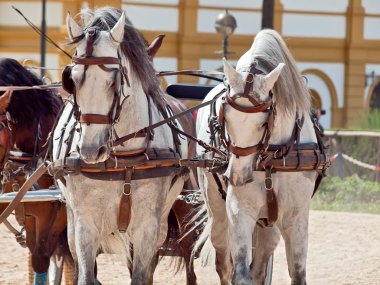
(344, 249)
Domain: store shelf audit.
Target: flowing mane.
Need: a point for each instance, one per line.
(133, 47)
(27, 107)
(290, 91)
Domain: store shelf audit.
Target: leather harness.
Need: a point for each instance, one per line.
(127, 166)
(149, 163)
(289, 157)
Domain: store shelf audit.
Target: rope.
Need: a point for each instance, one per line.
(355, 161)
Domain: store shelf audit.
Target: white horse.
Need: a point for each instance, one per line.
(110, 51)
(266, 100)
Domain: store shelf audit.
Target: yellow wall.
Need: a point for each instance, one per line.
(189, 47)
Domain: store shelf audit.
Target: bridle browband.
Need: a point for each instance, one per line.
(88, 60)
(256, 107)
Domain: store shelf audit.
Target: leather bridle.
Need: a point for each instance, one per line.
(120, 75)
(266, 107)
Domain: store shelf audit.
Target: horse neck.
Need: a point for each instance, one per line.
(135, 112)
(284, 125)
(25, 138)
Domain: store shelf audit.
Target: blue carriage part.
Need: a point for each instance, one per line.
(43, 195)
(189, 91)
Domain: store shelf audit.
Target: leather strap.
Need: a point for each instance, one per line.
(271, 201)
(11, 228)
(244, 151)
(221, 191)
(248, 109)
(91, 60)
(125, 207)
(137, 174)
(147, 130)
(25, 187)
(95, 119)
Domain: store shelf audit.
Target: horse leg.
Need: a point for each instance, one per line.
(71, 243)
(30, 269)
(187, 242)
(145, 227)
(219, 226)
(63, 252)
(241, 225)
(296, 243)
(144, 249)
(86, 245)
(36, 238)
(265, 242)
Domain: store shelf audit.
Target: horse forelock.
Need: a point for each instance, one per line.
(133, 48)
(290, 92)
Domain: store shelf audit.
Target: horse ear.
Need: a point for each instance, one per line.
(155, 46)
(5, 99)
(229, 70)
(117, 31)
(73, 29)
(271, 78)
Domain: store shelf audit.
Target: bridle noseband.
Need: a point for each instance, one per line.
(256, 107)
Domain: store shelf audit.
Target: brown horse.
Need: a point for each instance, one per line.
(30, 117)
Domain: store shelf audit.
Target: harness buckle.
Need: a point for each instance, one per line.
(270, 183)
(127, 186)
(250, 75)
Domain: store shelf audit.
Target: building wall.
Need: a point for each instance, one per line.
(335, 45)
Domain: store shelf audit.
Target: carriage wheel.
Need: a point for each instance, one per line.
(268, 279)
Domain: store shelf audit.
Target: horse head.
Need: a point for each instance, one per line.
(245, 113)
(96, 74)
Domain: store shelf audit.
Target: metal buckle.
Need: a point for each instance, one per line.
(130, 189)
(271, 183)
(251, 81)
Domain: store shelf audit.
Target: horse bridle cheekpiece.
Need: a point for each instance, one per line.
(255, 108)
(88, 59)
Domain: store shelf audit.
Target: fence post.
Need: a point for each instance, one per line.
(378, 161)
(339, 161)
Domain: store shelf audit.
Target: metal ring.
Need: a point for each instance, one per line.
(130, 189)
(271, 183)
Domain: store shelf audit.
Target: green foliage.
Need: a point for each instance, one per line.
(372, 121)
(349, 194)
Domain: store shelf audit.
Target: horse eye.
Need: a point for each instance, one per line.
(76, 79)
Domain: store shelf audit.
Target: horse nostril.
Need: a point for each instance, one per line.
(102, 151)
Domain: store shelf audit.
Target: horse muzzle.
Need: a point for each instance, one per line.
(239, 177)
(93, 155)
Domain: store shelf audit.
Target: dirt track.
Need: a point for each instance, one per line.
(343, 249)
